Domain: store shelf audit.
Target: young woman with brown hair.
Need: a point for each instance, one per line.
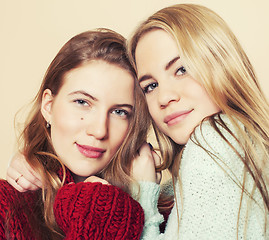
(74, 138)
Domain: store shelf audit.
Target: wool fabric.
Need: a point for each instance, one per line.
(83, 211)
(209, 197)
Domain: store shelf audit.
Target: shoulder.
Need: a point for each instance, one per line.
(7, 192)
(218, 141)
(211, 174)
(213, 152)
(9, 195)
(217, 133)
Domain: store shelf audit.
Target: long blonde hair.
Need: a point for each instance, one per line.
(100, 44)
(213, 56)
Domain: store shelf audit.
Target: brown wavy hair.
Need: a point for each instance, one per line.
(206, 42)
(100, 44)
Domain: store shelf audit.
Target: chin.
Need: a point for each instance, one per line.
(182, 141)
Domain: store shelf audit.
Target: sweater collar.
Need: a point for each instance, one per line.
(69, 178)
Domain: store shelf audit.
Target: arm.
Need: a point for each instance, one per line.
(97, 211)
(143, 170)
(148, 199)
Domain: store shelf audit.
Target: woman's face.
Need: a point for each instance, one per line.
(176, 101)
(90, 116)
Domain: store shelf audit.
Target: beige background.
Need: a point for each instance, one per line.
(32, 31)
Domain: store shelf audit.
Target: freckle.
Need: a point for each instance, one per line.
(81, 118)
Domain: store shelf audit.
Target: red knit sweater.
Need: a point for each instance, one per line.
(82, 211)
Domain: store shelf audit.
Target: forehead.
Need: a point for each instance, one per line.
(100, 79)
(155, 47)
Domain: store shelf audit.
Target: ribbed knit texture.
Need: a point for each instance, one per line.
(83, 211)
(97, 211)
(19, 225)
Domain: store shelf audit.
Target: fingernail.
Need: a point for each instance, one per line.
(151, 147)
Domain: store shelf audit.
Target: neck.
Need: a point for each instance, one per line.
(78, 179)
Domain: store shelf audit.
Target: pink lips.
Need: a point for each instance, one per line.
(90, 152)
(176, 117)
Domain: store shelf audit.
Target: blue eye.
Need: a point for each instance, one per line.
(180, 71)
(121, 113)
(150, 87)
(81, 102)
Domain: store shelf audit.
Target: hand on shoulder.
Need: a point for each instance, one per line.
(21, 175)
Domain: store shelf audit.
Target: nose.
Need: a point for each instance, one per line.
(167, 94)
(98, 126)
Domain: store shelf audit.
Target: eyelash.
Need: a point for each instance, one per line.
(182, 70)
(126, 113)
(146, 90)
(81, 102)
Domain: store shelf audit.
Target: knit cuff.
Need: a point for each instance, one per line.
(148, 199)
(97, 211)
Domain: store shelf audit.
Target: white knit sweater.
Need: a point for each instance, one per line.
(211, 195)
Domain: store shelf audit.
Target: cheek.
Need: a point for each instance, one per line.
(152, 106)
(154, 112)
(118, 132)
(208, 107)
(63, 124)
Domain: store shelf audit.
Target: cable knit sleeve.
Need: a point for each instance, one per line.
(147, 196)
(97, 211)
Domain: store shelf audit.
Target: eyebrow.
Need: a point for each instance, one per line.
(168, 65)
(125, 105)
(95, 99)
(83, 93)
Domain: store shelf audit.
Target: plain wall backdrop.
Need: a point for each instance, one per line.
(32, 32)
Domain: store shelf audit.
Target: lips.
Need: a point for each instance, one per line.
(176, 117)
(90, 152)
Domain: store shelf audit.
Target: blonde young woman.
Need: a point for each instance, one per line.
(74, 138)
(212, 125)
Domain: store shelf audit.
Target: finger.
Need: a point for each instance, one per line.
(158, 177)
(157, 161)
(15, 185)
(28, 172)
(12, 173)
(143, 166)
(93, 179)
(33, 176)
(20, 166)
(156, 158)
(25, 184)
(23, 181)
(145, 150)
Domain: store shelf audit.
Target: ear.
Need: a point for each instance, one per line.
(46, 105)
